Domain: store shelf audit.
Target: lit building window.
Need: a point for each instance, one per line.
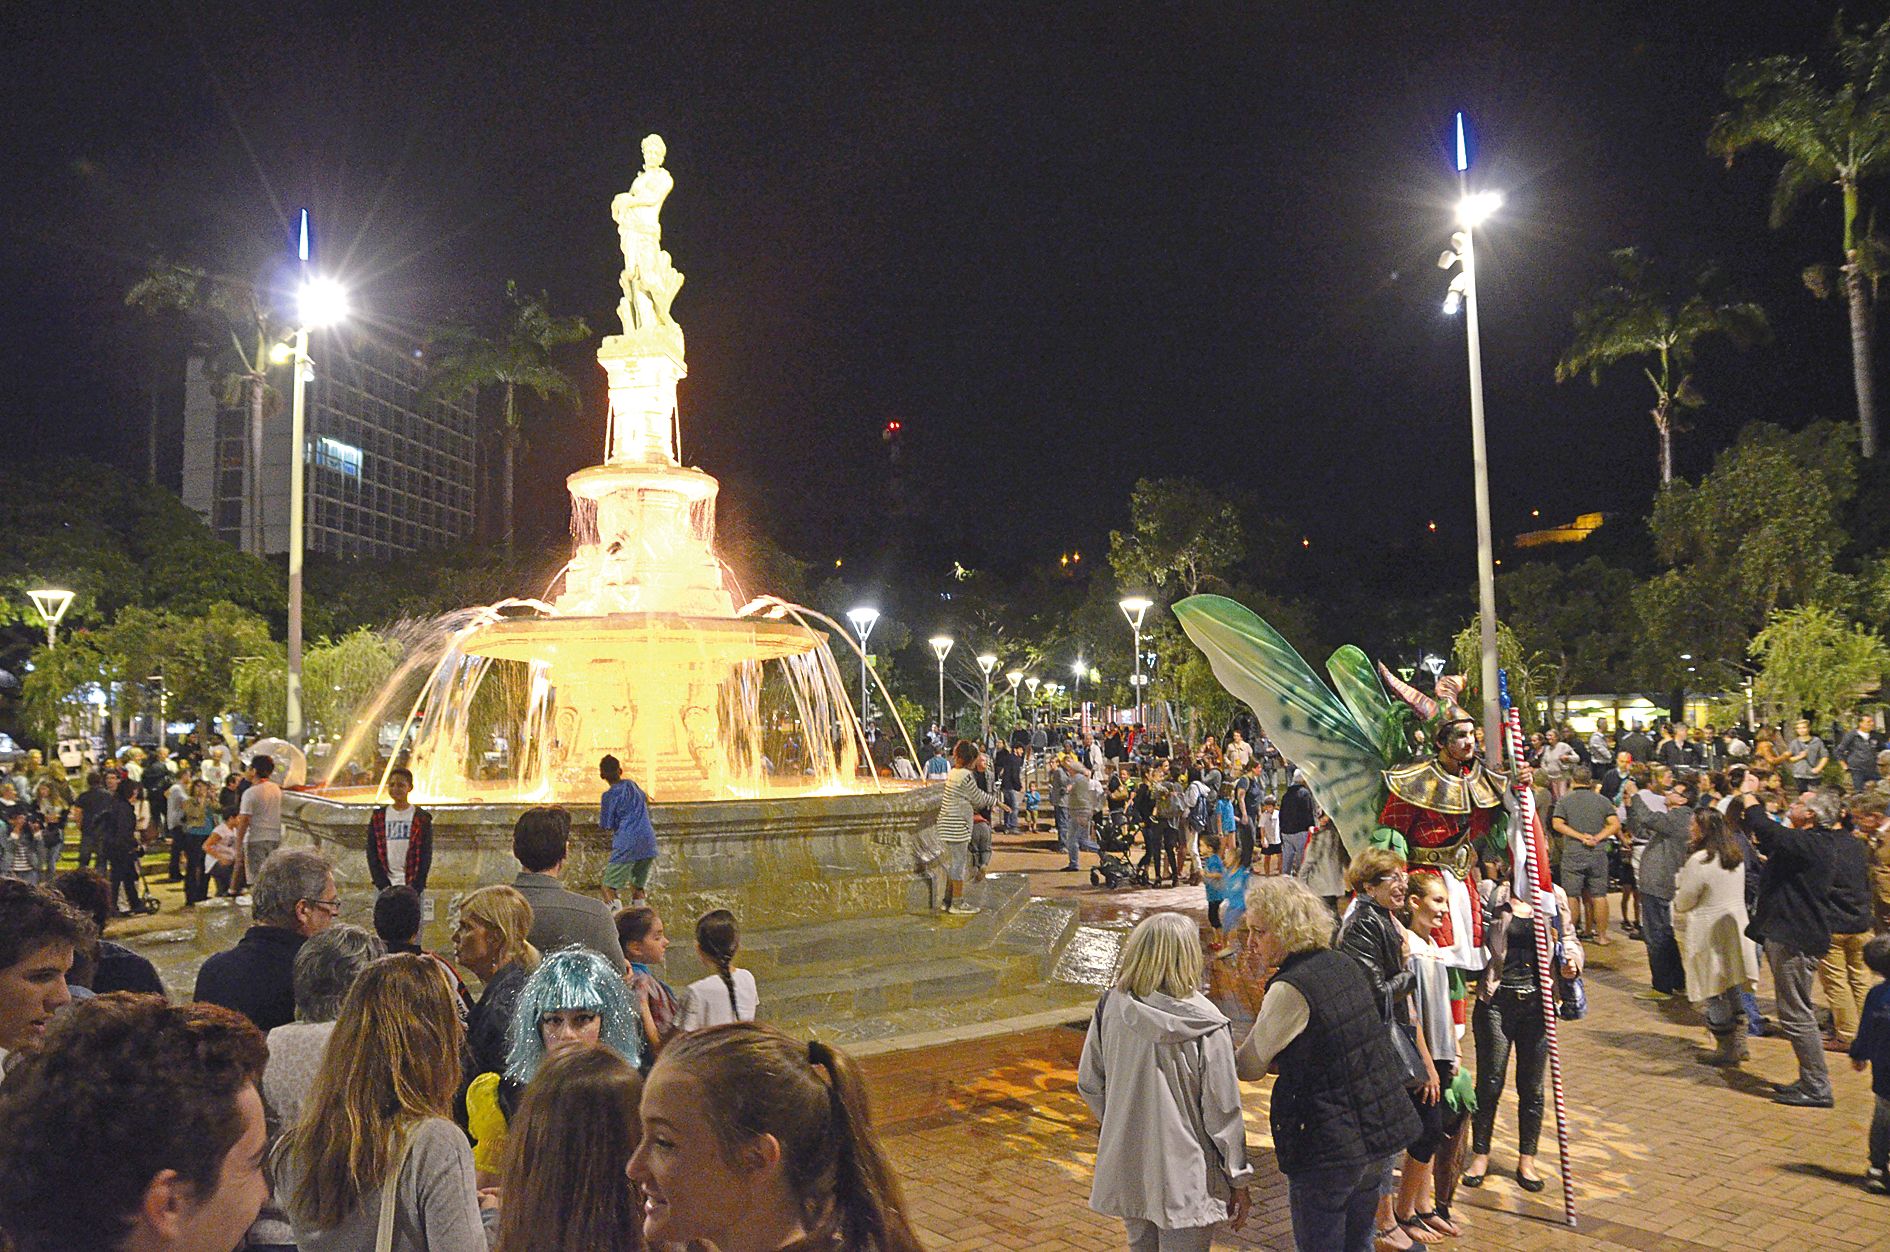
(340, 457)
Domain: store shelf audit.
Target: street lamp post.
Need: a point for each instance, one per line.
(1032, 682)
(1134, 608)
(1079, 670)
(863, 619)
(51, 603)
(941, 648)
(987, 662)
(1472, 211)
(322, 302)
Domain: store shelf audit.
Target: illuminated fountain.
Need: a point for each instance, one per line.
(643, 653)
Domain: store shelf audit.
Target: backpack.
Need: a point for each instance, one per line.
(1201, 816)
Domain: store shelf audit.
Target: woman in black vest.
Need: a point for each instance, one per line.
(1339, 1106)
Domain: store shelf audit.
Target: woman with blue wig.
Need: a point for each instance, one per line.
(573, 997)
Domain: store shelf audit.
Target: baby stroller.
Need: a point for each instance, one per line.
(1114, 838)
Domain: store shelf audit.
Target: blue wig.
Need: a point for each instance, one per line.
(573, 978)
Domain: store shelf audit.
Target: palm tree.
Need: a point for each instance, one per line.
(462, 358)
(1832, 125)
(219, 307)
(1645, 312)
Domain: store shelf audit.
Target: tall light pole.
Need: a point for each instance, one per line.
(1473, 209)
(51, 603)
(987, 662)
(1135, 608)
(1032, 682)
(941, 648)
(863, 618)
(1080, 670)
(321, 302)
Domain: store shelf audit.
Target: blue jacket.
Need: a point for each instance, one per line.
(1873, 1039)
(625, 812)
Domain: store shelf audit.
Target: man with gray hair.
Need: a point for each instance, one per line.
(1791, 922)
(292, 899)
(325, 968)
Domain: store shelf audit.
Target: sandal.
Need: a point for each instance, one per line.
(1440, 1222)
(1418, 1231)
(1381, 1239)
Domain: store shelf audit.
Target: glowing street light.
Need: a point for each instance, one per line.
(1473, 209)
(941, 648)
(863, 619)
(321, 302)
(51, 603)
(1135, 608)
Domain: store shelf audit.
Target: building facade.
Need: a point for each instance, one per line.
(388, 472)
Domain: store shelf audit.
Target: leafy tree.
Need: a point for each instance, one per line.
(1645, 312)
(1182, 536)
(339, 677)
(1831, 123)
(463, 358)
(1466, 658)
(220, 308)
(60, 682)
(1813, 662)
(1760, 532)
(1579, 623)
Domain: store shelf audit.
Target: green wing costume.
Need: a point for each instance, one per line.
(1343, 743)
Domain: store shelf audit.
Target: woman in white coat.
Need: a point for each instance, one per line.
(1709, 918)
(1158, 1072)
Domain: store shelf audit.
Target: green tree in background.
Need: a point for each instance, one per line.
(461, 357)
(1645, 312)
(1812, 662)
(1181, 537)
(1831, 123)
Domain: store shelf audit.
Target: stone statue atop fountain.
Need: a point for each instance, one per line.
(649, 280)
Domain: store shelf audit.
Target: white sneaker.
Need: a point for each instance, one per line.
(241, 901)
(963, 910)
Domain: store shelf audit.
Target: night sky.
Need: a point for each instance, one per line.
(1066, 245)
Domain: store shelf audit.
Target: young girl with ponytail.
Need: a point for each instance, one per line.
(756, 1142)
(729, 994)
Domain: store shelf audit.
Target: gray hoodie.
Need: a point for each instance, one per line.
(1158, 1073)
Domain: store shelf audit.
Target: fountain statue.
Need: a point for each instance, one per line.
(643, 653)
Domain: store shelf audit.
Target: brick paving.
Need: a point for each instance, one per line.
(996, 1147)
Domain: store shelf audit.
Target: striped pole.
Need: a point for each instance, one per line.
(1529, 852)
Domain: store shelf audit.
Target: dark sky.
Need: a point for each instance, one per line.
(1066, 245)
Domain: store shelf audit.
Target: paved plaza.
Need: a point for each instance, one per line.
(996, 1147)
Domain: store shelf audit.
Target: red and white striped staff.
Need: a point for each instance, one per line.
(1530, 861)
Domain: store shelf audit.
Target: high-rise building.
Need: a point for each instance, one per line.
(388, 472)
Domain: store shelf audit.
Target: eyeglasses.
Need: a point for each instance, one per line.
(333, 906)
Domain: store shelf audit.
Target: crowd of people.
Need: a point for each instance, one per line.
(331, 1087)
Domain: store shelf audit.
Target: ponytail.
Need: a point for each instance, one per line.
(866, 1201)
(717, 936)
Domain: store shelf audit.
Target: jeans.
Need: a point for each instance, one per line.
(1245, 832)
(1148, 1237)
(51, 844)
(1663, 952)
(1509, 1020)
(196, 882)
(1846, 981)
(1335, 1209)
(1293, 850)
(1797, 1020)
(1880, 1135)
(124, 873)
(1062, 815)
(1014, 802)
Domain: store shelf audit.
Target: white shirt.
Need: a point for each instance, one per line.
(399, 832)
(262, 805)
(705, 1001)
(214, 771)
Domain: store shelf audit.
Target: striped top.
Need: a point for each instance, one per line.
(962, 798)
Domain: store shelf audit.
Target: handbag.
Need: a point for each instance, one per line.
(1404, 1047)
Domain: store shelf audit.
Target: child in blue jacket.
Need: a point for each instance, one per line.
(1871, 1047)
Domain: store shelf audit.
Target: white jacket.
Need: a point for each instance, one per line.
(1159, 1075)
(1709, 920)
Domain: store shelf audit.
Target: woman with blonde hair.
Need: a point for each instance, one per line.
(1158, 1072)
(375, 1158)
(490, 941)
(1339, 1105)
(565, 1188)
(755, 1141)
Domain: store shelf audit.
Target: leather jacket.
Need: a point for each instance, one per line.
(1370, 935)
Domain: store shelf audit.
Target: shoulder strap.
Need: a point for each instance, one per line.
(384, 1235)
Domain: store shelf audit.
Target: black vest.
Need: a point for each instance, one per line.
(1339, 1099)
